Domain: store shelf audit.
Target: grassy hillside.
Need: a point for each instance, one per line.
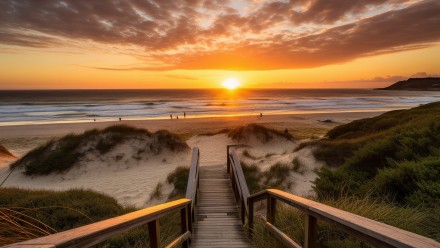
(395, 155)
(27, 214)
(62, 154)
(386, 168)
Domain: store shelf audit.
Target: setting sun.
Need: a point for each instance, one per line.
(231, 83)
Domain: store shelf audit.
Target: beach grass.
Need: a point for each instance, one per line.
(179, 179)
(291, 221)
(263, 134)
(28, 214)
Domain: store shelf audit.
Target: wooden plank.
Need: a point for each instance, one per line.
(193, 174)
(218, 224)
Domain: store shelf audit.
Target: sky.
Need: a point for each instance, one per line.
(137, 44)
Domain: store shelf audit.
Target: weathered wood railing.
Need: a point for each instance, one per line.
(98, 232)
(238, 181)
(193, 183)
(374, 232)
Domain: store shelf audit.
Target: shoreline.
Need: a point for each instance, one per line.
(115, 119)
(21, 139)
(69, 127)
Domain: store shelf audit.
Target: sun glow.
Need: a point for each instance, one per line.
(231, 83)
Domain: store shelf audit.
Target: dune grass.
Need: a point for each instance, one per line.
(179, 179)
(394, 159)
(60, 155)
(275, 177)
(264, 134)
(298, 166)
(28, 214)
(385, 168)
(221, 131)
(291, 221)
(400, 162)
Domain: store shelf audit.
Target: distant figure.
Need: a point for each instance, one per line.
(286, 131)
(184, 114)
(120, 119)
(261, 115)
(94, 119)
(177, 117)
(171, 117)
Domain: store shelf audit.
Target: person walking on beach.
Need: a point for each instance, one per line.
(171, 117)
(177, 117)
(184, 114)
(120, 119)
(261, 115)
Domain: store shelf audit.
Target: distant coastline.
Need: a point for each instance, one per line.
(416, 84)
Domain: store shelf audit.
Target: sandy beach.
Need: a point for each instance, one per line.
(136, 180)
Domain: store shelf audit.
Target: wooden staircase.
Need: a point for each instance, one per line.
(217, 222)
(211, 215)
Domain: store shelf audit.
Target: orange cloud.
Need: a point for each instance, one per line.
(274, 35)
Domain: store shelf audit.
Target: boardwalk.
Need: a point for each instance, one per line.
(217, 222)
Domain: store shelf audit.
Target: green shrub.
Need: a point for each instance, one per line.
(179, 179)
(297, 166)
(291, 221)
(262, 133)
(248, 155)
(253, 176)
(27, 214)
(276, 176)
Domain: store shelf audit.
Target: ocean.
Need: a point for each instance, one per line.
(65, 106)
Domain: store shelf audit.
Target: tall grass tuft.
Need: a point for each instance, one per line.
(264, 134)
(179, 179)
(28, 214)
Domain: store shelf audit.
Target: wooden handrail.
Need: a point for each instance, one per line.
(193, 183)
(98, 232)
(238, 181)
(374, 232)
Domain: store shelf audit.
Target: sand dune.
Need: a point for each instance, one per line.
(132, 180)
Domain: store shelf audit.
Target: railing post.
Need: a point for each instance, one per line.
(184, 223)
(251, 217)
(189, 218)
(310, 232)
(154, 233)
(228, 160)
(243, 212)
(271, 209)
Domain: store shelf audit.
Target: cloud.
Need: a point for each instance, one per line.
(213, 34)
(362, 83)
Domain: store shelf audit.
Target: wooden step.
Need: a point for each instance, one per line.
(217, 222)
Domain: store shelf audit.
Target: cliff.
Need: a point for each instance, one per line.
(428, 84)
